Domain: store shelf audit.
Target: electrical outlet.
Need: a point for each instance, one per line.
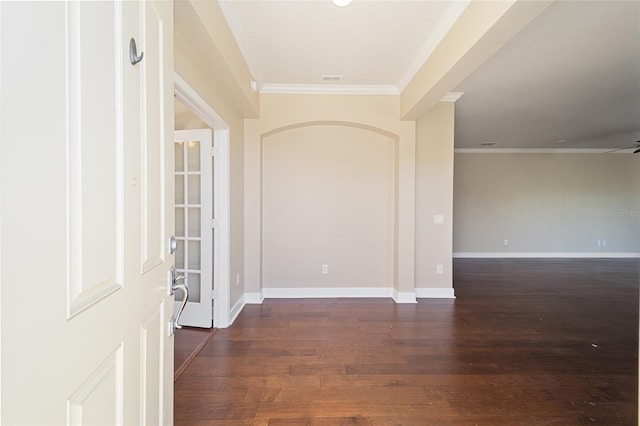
(506, 242)
(599, 243)
(604, 242)
(440, 269)
(325, 269)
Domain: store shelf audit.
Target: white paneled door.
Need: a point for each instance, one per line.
(195, 223)
(86, 213)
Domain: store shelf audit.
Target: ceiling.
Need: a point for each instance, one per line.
(572, 75)
(375, 44)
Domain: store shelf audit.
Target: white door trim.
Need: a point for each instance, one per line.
(222, 188)
(1, 191)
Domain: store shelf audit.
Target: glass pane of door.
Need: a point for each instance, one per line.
(188, 218)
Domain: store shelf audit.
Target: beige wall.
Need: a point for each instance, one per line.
(184, 119)
(209, 64)
(355, 131)
(328, 198)
(546, 203)
(434, 196)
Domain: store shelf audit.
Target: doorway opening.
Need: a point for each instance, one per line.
(192, 112)
(221, 187)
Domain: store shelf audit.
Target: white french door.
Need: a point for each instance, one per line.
(223, 314)
(194, 224)
(86, 213)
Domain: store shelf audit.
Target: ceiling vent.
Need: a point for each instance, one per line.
(331, 78)
(489, 143)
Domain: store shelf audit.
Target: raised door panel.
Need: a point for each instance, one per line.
(94, 150)
(95, 211)
(153, 137)
(100, 399)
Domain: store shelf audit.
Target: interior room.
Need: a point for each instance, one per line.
(320, 212)
(515, 171)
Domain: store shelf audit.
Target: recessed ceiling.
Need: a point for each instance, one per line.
(572, 75)
(376, 46)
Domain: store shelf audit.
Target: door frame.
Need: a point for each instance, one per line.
(222, 189)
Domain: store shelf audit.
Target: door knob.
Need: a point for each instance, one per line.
(173, 245)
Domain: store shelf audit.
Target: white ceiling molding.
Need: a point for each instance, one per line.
(327, 89)
(532, 151)
(455, 10)
(232, 21)
(451, 96)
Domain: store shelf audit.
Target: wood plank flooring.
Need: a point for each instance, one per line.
(188, 342)
(526, 342)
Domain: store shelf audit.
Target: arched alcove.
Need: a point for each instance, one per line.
(328, 197)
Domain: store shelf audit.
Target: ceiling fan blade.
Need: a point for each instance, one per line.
(637, 147)
(620, 149)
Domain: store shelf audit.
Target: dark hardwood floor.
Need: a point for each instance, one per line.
(526, 342)
(188, 342)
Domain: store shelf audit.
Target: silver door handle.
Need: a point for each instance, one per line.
(178, 282)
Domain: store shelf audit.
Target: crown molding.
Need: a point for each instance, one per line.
(451, 96)
(330, 89)
(531, 150)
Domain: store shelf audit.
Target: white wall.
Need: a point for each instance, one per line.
(547, 203)
(328, 198)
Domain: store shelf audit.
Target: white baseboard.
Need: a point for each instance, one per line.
(545, 255)
(253, 298)
(434, 293)
(333, 292)
(349, 292)
(404, 297)
(236, 309)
